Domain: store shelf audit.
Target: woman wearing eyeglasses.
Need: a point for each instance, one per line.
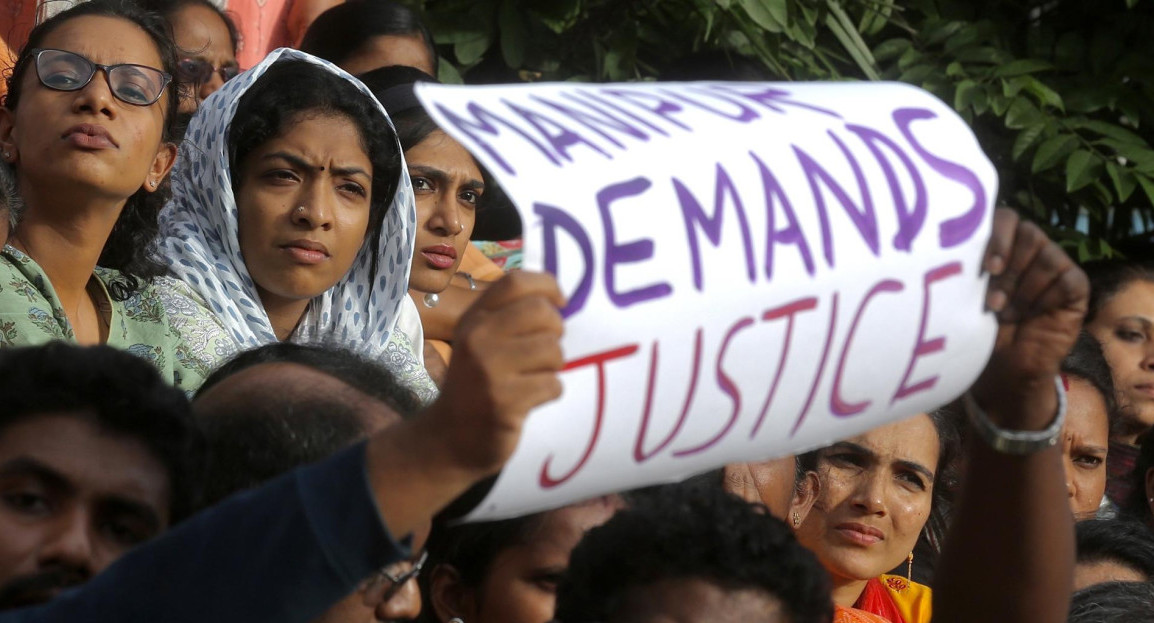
(206, 40)
(87, 129)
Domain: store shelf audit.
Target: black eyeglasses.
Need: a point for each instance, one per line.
(138, 85)
(396, 576)
(198, 71)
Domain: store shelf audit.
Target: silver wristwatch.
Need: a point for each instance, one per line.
(1018, 442)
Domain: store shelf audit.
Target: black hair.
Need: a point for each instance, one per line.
(121, 393)
(1111, 602)
(1109, 277)
(292, 88)
(169, 8)
(131, 244)
(341, 31)
(393, 87)
(692, 533)
(1086, 361)
(1116, 540)
(364, 375)
(1137, 506)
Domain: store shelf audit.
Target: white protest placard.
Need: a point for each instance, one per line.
(752, 269)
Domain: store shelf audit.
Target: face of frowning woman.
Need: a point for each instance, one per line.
(447, 184)
(88, 142)
(1085, 438)
(303, 204)
(1125, 328)
(203, 40)
(875, 497)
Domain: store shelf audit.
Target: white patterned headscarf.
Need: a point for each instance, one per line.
(199, 239)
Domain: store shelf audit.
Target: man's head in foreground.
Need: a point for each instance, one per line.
(97, 455)
(281, 406)
(693, 554)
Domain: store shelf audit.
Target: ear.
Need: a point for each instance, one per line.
(449, 596)
(161, 165)
(7, 138)
(804, 496)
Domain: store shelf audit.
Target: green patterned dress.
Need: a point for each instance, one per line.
(31, 314)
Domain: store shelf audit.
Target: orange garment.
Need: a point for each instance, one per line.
(482, 269)
(263, 26)
(17, 17)
(7, 60)
(853, 615)
(896, 599)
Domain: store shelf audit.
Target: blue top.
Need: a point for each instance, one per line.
(284, 552)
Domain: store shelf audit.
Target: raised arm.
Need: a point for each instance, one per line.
(1010, 552)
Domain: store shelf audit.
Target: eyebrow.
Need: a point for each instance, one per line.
(441, 177)
(27, 466)
(860, 449)
(1142, 320)
(297, 161)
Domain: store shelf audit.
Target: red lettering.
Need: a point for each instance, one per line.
(923, 346)
(726, 385)
(836, 404)
(599, 359)
(820, 366)
(639, 453)
(785, 311)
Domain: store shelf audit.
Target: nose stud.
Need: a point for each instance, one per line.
(300, 210)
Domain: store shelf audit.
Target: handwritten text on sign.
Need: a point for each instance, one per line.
(752, 269)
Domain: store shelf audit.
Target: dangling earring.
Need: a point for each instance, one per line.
(431, 299)
(796, 519)
(910, 567)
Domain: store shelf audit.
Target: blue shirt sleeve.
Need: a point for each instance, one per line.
(284, 552)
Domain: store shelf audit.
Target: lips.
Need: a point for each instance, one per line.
(306, 251)
(860, 534)
(440, 256)
(89, 136)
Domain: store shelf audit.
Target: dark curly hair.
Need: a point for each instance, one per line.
(339, 32)
(1112, 601)
(293, 88)
(121, 393)
(130, 245)
(692, 533)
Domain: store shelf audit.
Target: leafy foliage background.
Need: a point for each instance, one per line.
(1059, 92)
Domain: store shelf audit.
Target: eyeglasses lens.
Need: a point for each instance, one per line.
(134, 84)
(198, 71)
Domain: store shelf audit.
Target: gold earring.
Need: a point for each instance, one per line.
(796, 519)
(910, 567)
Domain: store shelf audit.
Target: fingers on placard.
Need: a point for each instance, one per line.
(1046, 268)
(1001, 241)
(521, 284)
(1070, 290)
(1028, 242)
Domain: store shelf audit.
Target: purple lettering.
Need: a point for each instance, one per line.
(864, 219)
(562, 140)
(743, 114)
(791, 233)
(909, 222)
(773, 98)
(960, 229)
(820, 367)
(596, 121)
(696, 220)
(589, 95)
(651, 103)
(553, 218)
(630, 252)
(484, 121)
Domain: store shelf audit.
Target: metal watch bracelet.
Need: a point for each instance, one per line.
(1019, 442)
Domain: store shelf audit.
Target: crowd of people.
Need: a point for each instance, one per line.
(255, 370)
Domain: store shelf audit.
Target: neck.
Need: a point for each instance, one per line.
(66, 239)
(847, 592)
(283, 314)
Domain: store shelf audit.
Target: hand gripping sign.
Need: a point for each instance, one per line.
(752, 269)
